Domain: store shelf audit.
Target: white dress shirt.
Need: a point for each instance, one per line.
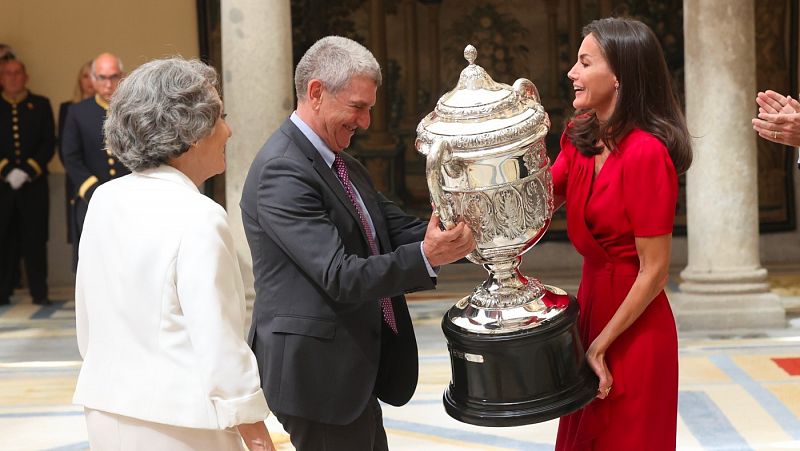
(160, 307)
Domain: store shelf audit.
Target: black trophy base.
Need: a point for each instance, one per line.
(522, 377)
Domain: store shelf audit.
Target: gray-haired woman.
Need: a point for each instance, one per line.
(159, 296)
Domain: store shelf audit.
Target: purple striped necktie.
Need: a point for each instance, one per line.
(341, 171)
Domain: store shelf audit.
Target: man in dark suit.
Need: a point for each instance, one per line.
(27, 141)
(332, 258)
(87, 161)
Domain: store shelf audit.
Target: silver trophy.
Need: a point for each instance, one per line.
(515, 352)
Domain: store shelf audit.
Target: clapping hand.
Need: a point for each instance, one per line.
(778, 118)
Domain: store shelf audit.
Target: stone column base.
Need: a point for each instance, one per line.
(704, 311)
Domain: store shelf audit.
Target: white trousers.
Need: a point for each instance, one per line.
(112, 432)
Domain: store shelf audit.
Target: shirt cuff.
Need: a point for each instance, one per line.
(433, 272)
(245, 410)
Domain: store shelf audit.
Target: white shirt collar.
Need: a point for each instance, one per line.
(327, 154)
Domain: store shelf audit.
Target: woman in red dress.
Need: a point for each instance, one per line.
(617, 171)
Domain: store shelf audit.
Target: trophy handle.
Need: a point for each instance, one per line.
(526, 89)
(439, 152)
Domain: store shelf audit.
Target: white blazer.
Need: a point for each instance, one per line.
(160, 307)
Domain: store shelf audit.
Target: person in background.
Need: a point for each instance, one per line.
(84, 89)
(618, 168)
(7, 54)
(86, 159)
(27, 143)
(159, 299)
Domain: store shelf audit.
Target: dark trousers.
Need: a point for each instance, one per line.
(23, 221)
(366, 433)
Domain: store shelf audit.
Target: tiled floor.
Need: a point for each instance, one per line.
(737, 392)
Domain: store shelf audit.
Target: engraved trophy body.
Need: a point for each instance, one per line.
(515, 351)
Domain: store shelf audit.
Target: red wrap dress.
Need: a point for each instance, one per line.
(633, 195)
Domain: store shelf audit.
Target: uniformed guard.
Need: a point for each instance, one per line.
(87, 162)
(7, 54)
(27, 142)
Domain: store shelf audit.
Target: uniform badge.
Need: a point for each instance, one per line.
(30, 105)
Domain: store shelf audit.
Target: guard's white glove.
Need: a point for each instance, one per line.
(16, 178)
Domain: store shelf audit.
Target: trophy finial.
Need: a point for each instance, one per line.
(470, 53)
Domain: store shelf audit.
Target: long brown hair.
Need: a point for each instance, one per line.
(645, 97)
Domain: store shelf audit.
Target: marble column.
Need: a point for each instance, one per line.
(258, 93)
(724, 285)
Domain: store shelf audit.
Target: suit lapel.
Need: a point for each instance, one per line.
(325, 172)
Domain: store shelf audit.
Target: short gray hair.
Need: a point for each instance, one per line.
(334, 60)
(160, 110)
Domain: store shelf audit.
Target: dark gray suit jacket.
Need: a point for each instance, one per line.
(317, 331)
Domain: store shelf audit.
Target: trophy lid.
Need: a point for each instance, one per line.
(481, 114)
